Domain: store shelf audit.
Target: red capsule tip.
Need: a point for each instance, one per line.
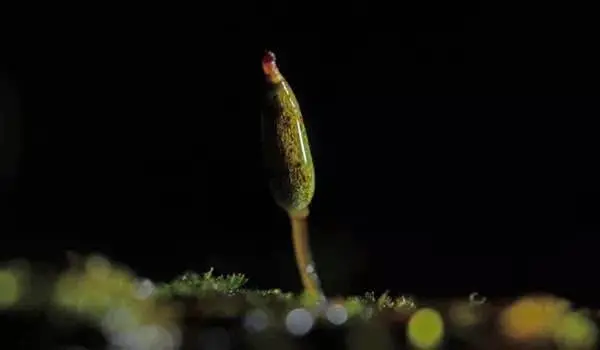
(269, 57)
(270, 67)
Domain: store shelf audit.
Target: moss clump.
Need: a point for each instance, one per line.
(191, 284)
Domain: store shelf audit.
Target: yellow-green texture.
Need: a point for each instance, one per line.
(286, 150)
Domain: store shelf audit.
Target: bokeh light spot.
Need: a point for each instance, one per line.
(354, 306)
(425, 328)
(144, 289)
(532, 317)
(119, 319)
(299, 322)
(98, 266)
(149, 337)
(463, 314)
(9, 288)
(256, 320)
(336, 314)
(576, 331)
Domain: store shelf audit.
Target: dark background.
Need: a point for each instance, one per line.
(455, 146)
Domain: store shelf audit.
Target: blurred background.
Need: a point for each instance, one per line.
(454, 153)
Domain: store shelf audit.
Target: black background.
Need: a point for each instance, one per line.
(455, 145)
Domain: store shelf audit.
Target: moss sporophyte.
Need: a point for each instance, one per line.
(289, 164)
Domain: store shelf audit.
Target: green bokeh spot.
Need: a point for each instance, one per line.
(9, 288)
(425, 329)
(353, 306)
(576, 331)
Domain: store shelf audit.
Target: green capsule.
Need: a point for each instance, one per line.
(285, 144)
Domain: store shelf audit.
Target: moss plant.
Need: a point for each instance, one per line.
(290, 166)
(198, 285)
(208, 284)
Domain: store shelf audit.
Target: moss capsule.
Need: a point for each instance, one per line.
(285, 143)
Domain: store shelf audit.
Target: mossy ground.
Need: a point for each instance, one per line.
(206, 308)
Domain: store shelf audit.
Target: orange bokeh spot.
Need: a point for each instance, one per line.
(533, 317)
